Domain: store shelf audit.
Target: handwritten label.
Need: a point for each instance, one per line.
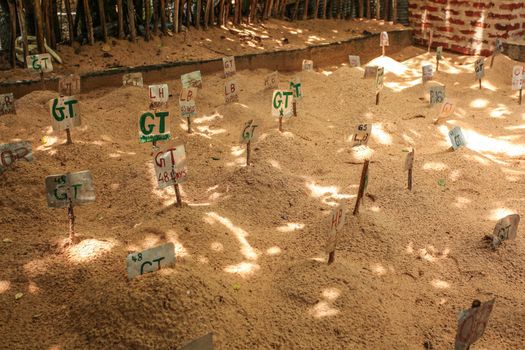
(439, 53)
(409, 160)
(40, 63)
(12, 152)
(371, 72)
(472, 324)
(193, 79)
(282, 103)
(437, 94)
(229, 66)
(296, 87)
(132, 79)
(231, 92)
(65, 112)
(447, 109)
(362, 134)
(75, 187)
(7, 104)
(150, 260)
(456, 138)
(272, 80)
(427, 73)
(337, 221)
(248, 131)
(69, 85)
(505, 229)
(308, 65)
(187, 102)
(498, 46)
(202, 343)
(380, 78)
(383, 39)
(479, 67)
(170, 166)
(354, 61)
(153, 126)
(517, 77)
(158, 94)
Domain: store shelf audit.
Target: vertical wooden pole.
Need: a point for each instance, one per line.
(368, 9)
(521, 93)
(176, 16)
(480, 84)
(330, 8)
(69, 140)
(362, 183)
(305, 11)
(198, 14)
(102, 16)
(377, 98)
(23, 28)
(212, 12)
(248, 151)
(295, 10)
(316, 11)
(281, 124)
(394, 11)
(221, 20)
(147, 33)
(189, 124)
(207, 14)
(71, 217)
(120, 9)
(324, 8)
(72, 31)
(188, 12)
(89, 21)
(39, 27)
(361, 8)
(163, 17)
(156, 17)
(378, 9)
(294, 104)
(410, 171)
(45, 19)
(131, 20)
(12, 28)
(177, 194)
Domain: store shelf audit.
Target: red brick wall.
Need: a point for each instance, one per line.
(467, 26)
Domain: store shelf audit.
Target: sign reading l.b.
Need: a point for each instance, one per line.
(231, 91)
(150, 260)
(65, 112)
(153, 126)
(40, 63)
(282, 103)
(187, 105)
(76, 188)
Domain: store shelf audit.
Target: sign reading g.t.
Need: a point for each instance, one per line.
(40, 63)
(76, 188)
(153, 126)
(170, 166)
(65, 112)
(282, 103)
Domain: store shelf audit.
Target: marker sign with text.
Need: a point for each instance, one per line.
(231, 91)
(354, 61)
(150, 260)
(439, 53)
(12, 152)
(187, 102)
(154, 126)
(479, 67)
(75, 187)
(498, 46)
(308, 65)
(447, 109)
(383, 39)
(170, 166)
(337, 221)
(40, 63)
(65, 112)
(272, 80)
(371, 72)
(472, 324)
(456, 138)
(193, 79)
(132, 79)
(380, 76)
(437, 94)
(362, 134)
(69, 85)
(248, 132)
(517, 77)
(505, 229)
(229, 66)
(296, 87)
(158, 94)
(282, 103)
(7, 104)
(427, 73)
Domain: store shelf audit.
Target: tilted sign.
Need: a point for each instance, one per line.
(75, 187)
(354, 61)
(7, 103)
(427, 73)
(65, 112)
(472, 324)
(517, 77)
(153, 126)
(296, 87)
(203, 343)
(230, 91)
(479, 67)
(192, 79)
(409, 160)
(248, 131)
(456, 138)
(437, 94)
(229, 66)
(150, 260)
(505, 229)
(158, 94)
(439, 52)
(132, 79)
(40, 63)
(498, 46)
(380, 76)
(282, 103)
(272, 80)
(337, 221)
(447, 109)
(308, 65)
(11, 152)
(362, 134)
(370, 72)
(187, 102)
(170, 166)
(69, 85)
(383, 39)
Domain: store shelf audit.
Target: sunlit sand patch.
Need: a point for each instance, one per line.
(290, 227)
(461, 202)
(436, 166)
(89, 249)
(409, 249)
(4, 286)
(274, 251)
(323, 309)
(240, 234)
(378, 269)
(479, 103)
(173, 237)
(440, 284)
(33, 288)
(331, 293)
(380, 135)
(274, 163)
(361, 152)
(244, 269)
(500, 213)
(217, 246)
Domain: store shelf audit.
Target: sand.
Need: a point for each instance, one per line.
(251, 265)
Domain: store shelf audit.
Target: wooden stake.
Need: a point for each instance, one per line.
(155, 17)
(102, 16)
(71, 217)
(294, 104)
(71, 28)
(325, 2)
(331, 257)
(316, 11)
(12, 44)
(120, 9)
(377, 98)
(68, 135)
(248, 151)
(39, 27)
(305, 11)
(492, 59)
(147, 34)
(23, 28)
(189, 125)
(163, 27)
(212, 12)
(480, 84)
(361, 8)
(89, 21)
(362, 182)
(295, 10)
(410, 172)
(131, 20)
(281, 124)
(198, 15)
(176, 16)
(521, 90)
(368, 9)
(221, 20)
(207, 14)
(177, 194)
(394, 11)
(437, 64)
(188, 12)
(382, 50)
(378, 10)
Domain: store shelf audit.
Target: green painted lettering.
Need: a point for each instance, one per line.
(286, 94)
(149, 129)
(278, 95)
(162, 123)
(58, 117)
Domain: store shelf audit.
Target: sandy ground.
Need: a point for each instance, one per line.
(216, 42)
(250, 241)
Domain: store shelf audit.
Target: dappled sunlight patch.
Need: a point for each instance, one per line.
(461, 202)
(361, 152)
(430, 253)
(4, 286)
(326, 192)
(217, 246)
(378, 269)
(479, 103)
(290, 227)
(482, 143)
(237, 151)
(244, 268)
(324, 307)
(440, 284)
(203, 260)
(499, 213)
(500, 112)
(240, 234)
(32, 288)
(380, 135)
(274, 163)
(390, 65)
(374, 209)
(435, 166)
(274, 251)
(173, 237)
(89, 249)
(409, 249)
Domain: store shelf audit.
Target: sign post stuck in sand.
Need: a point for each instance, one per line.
(231, 91)
(436, 94)
(154, 126)
(456, 138)
(337, 221)
(170, 168)
(308, 65)
(282, 105)
(132, 79)
(187, 104)
(69, 85)
(363, 183)
(271, 81)
(12, 152)
(228, 63)
(247, 135)
(472, 324)
(66, 114)
(40, 63)
(439, 56)
(517, 80)
(505, 229)
(409, 166)
(479, 68)
(379, 82)
(383, 41)
(7, 104)
(296, 87)
(150, 260)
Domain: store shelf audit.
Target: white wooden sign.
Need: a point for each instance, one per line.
(12, 152)
(154, 126)
(65, 112)
(308, 65)
(132, 79)
(231, 93)
(479, 67)
(354, 61)
(170, 166)
(187, 102)
(337, 221)
(7, 104)
(505, 229)
(447, 109)
(193, 79)
(203, 343)
(380, 75)
(69, 85)
(437, 94)
(229, 66)
(517, 77)
(248, 131)
(439, 53)
(456, 138)
(272, 80)
(150, 260)
(296, 87)
(383, 39)
(472, 324)
(409, 161)
(362, 134)
(499, 46)
(75, 187)
(282, 103)
(159, 94)
(427, 72)
(40, 63)
(371, 72)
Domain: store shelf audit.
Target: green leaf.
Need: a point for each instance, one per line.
(18, 295)
(442, 182)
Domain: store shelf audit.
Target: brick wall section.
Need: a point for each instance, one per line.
(467, 26)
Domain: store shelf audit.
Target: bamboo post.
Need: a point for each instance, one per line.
(120, 9)
(189, 125)
(72, 32)
(176, 16)
(12, 44)
(377, 98)
(131, 20)
(198, 14)
(410, 172)
(102, 14)
(155, 17)
(248, 151)
(305, 11)
(71, 217)
(480, 84)
(89, 22)
(294, 104)
(69, 140)
(23, 28)
(147, 20)
(39, 27)
(163, 17)
(177, 194)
